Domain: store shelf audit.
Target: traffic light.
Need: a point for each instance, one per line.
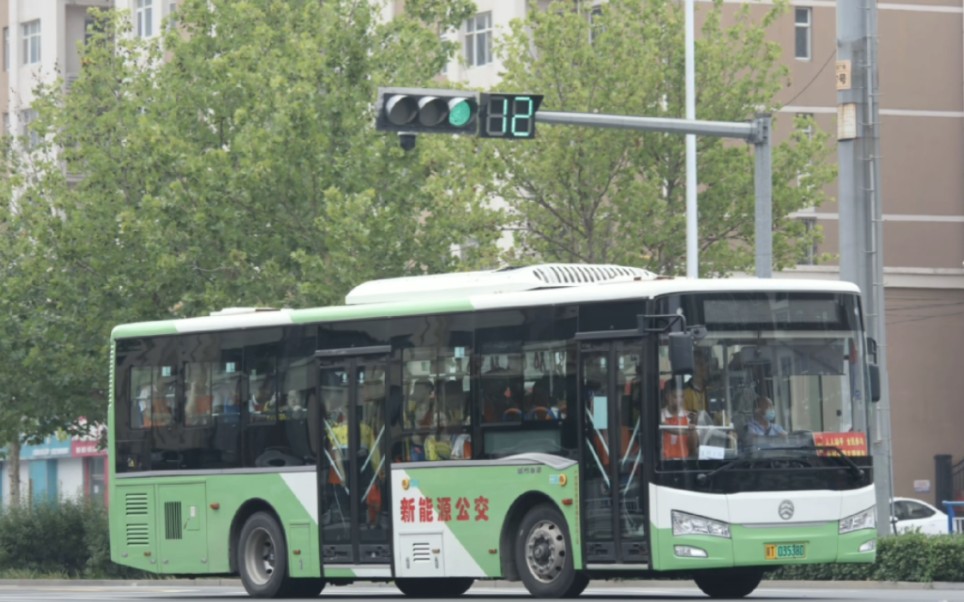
(426, 111)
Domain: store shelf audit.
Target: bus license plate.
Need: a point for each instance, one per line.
(785, 551)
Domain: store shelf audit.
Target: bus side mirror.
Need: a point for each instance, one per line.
(874, 382)
(681, 352)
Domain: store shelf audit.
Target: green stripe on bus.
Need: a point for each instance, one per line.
(377, 310)
(144, 329)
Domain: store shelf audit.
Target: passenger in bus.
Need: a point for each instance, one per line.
(764, 415)
(141, 408)
(679, 435)
(421, 416)
(539, 404)
(695, 391)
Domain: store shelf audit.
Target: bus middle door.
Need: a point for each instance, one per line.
(354, 511)
(614, 525)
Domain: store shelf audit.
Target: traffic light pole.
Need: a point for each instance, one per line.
(756, 132)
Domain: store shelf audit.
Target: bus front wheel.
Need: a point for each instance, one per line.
(543, 554)
(728, 583)
(263, 557)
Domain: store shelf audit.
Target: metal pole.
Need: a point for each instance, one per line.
(858, 199)
(692, 216)
(763, 185)
(718, 129)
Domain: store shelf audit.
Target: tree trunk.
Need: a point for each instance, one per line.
(13, 459)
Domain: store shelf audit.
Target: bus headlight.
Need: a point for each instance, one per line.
(862, 520)
(690, 524)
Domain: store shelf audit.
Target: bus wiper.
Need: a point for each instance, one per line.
(855, 470)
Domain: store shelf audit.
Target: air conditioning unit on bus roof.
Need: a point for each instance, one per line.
(505, 280)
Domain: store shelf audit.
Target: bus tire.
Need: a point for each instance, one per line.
(578, 586)
(448, 587)
(309, 587)
(263, 557)
(543, 553)
(728, 583)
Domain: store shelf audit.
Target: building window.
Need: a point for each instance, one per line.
(478, 40)
(803, 19)
(31, 42)
(144, 15)
(6, 49)
(810, 257)
(807, 128)
(805, 124)
(595, 24)
(172, 15)
(27, 117)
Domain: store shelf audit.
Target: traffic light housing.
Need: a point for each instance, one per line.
(427, 111)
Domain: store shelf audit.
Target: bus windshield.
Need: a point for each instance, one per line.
(794, 380)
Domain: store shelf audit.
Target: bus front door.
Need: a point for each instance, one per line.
(353, 509)
(614, 526)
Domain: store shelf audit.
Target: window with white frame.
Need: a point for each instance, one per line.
(27, 117)
(144, 18)
(6, 49)
(31, 42)
(172, 15)
(803, 21)
(478, 40)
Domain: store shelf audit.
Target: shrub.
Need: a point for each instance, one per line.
(909, 557)
(66, 539)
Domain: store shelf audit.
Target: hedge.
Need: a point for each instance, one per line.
(908, 557)
(67, 539)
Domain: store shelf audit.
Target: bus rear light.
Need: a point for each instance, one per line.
(567, 501)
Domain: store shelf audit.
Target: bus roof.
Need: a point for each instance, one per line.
(439, 296)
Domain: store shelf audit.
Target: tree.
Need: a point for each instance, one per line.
(232, 163)
(616, 196)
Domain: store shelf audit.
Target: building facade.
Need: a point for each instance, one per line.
(59, 468)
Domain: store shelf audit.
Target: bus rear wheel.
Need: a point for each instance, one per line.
(449, 587)
(263, 557)
(728, 583)
(303, 588)
(543, 554)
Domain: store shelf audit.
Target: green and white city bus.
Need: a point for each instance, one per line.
(550, 424)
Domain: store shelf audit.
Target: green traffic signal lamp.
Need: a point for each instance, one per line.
(423, 110)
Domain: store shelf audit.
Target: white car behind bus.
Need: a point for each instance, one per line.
(909, 515)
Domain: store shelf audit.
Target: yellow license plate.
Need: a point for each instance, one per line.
(784, 551)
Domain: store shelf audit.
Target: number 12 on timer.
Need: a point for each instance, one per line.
(509, 115)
